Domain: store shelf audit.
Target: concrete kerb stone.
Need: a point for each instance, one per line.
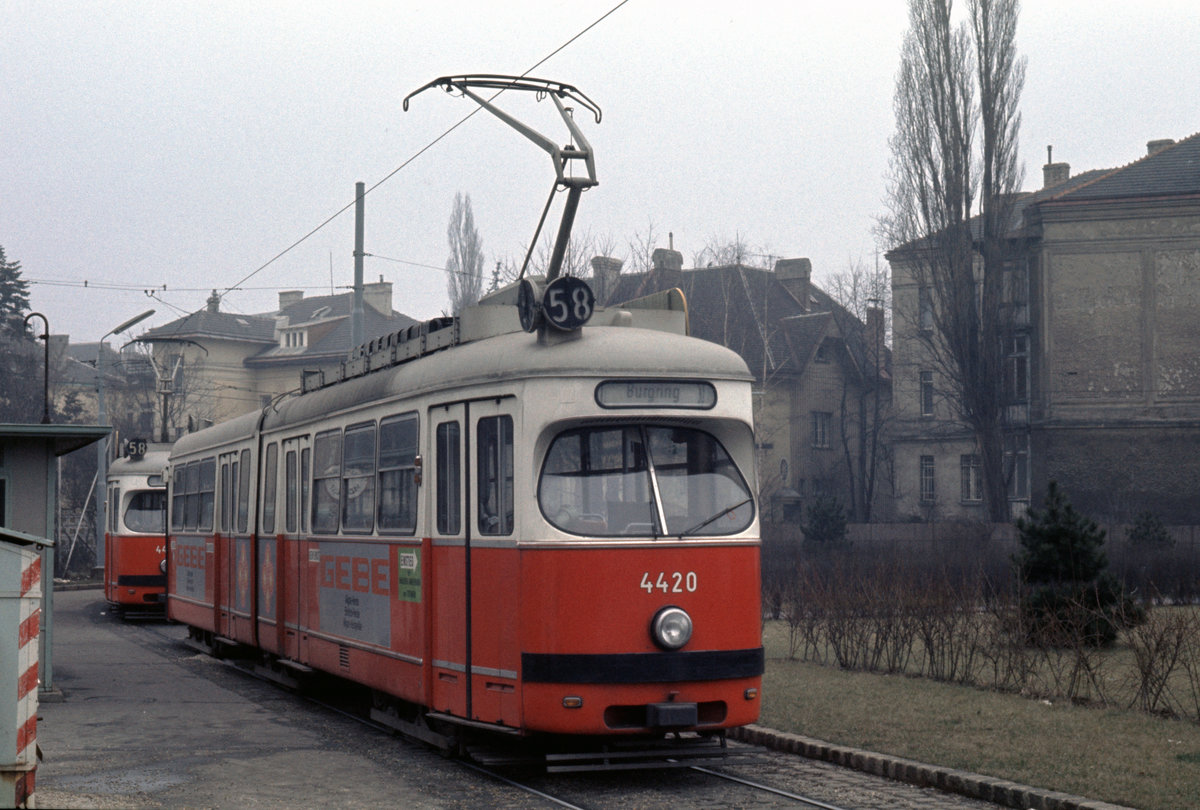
(997, 791)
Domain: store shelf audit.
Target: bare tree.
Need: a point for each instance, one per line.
(954, 177)
(464, 268)
(863, 296)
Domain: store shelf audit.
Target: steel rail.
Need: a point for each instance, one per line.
(767, 788)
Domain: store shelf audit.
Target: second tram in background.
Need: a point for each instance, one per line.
(135, 559)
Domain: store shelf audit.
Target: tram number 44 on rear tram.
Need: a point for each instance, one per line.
(674, 582)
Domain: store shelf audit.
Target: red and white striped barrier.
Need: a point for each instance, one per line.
(18, 763)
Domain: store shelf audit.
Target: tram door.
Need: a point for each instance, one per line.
(446, 481)
(475, 651)
(297, 460)
(494, 567)
(231, 595)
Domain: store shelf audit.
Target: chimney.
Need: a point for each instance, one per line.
(214, 302)
(289, 297)
(378, 296)
(668, 267)
(795, 276)
(1159, 145)
(1054, 173)
(605, 273)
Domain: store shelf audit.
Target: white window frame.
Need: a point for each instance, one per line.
(928, 479)
(971, 466)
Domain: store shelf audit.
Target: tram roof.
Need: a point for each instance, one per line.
(602, 351)
(597, 351)
(239, 427)
(152, 463)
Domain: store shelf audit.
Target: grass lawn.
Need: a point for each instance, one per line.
(1121, 756)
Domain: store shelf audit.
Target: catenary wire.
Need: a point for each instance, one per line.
(419, 152)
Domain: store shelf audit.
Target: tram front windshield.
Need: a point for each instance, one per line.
(643, 481)
(147, 512)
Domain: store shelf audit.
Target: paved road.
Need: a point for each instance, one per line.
(147, 722)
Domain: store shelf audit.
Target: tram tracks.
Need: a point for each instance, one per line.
(543, 792)
(805, 800)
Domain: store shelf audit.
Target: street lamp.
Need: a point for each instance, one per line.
(45, 365)
(102, 445)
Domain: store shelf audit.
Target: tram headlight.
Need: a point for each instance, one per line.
(671, 628)
(162, 565)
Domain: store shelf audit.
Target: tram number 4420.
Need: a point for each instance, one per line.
(676, 582)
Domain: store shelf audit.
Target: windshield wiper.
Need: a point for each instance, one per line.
(718, 515)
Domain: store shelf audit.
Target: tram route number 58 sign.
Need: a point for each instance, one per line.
(567, 304)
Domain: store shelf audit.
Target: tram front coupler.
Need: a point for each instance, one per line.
(577, 151)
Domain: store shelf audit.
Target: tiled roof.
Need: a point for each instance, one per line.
(749, 310)
(205, 324)
(260, 329)
(1169, 171)
(336, 343)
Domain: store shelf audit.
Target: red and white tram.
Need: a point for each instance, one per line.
(547, 533)
(135, 560)
(536, 519)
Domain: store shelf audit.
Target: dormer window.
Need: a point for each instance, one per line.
(294, 339)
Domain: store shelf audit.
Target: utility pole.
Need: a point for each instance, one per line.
(356, 313)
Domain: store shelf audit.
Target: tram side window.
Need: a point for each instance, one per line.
(178, 497)
(305, 464)
(358, 478)
(191, 514)
(398, 474)
(449, 476)
(269, 478)
(243, 483)
(225, 487)
(147, 511)
(495, 475)
(207, 490)
(327, 480)
(114, 500)
(290, 493)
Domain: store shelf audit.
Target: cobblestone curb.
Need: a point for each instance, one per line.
(986, 788)
(59, 585)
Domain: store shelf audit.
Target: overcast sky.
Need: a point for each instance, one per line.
(187, 144)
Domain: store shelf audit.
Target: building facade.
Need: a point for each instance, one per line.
(212, 365)
(1101, 374)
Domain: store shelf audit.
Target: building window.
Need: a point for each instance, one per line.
(925, 308)
(820, 428)
(927, 480)
(1016, 466)
(972, 478)
(822, 355)
(927, 393)
(1016, 372)
(1016, 290)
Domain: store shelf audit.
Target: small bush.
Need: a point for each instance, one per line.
(1070, 597)
(825, 524)
(1148, 531)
